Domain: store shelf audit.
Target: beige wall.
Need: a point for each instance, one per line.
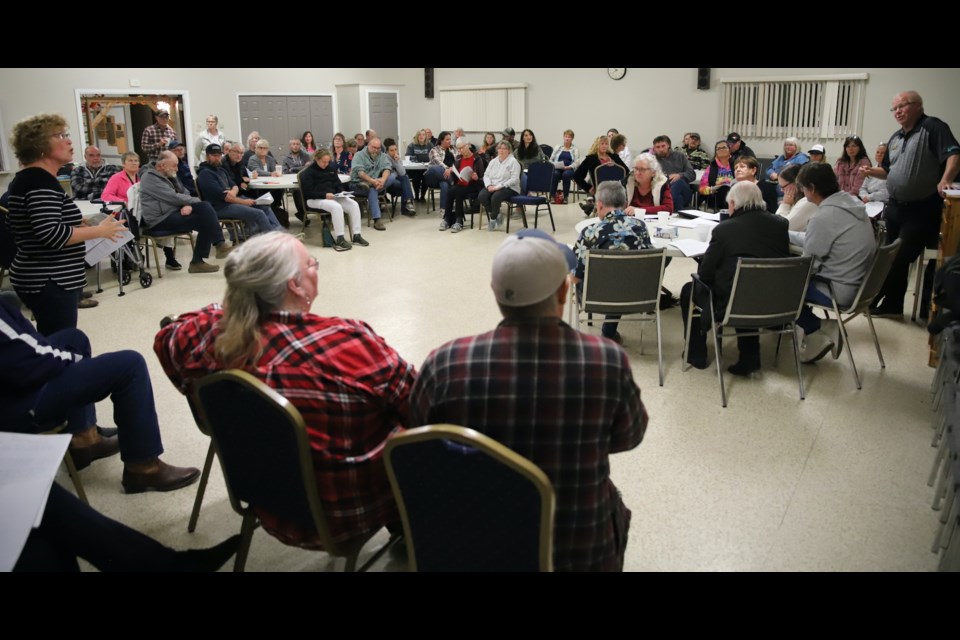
(647, 102)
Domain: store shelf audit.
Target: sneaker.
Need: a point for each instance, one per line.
(443, 225)
(87, 303)
(173, 265)
(408, 209)
(223, 250)
(358, 239)
(340, 244)
(202, 267)
(378, 225)
(456, 228)
(564, 200)
(495, 224)
(815, 346)
(831, 328)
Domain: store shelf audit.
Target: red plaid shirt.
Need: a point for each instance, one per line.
(151, 143)
(350, 386)
(562, 399)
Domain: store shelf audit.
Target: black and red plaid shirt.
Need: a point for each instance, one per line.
(560, 398)
(350, 386)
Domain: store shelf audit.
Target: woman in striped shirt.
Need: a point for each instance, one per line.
(47, 226)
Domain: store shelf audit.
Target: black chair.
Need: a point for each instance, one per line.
(606, 172)
(304, 210)
(869, 288)
(468, 503)
(547, 150)
(261, 440)
(624, 282)
(767, 297)
(539, 181)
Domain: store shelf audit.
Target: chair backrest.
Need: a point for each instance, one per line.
(539, 177)
(547, 150)
(616, 281)
(606, 172)
(261, 440)
(767, 291)
(468, 503)
(876, 275)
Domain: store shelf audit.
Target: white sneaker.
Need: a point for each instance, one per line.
(815, 346)
(494, 224)
(443, 225)
(831, 328)
(456, 228)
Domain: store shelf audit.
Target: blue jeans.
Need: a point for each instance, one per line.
(121, 375)
(566, 175)
(253, 219)
(54, 307)
(401, 188)
(808, 320)
(434, 178)
(373, 196)
(682, 195)
(203, 219)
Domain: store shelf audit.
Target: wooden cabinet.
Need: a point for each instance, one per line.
(949, 241)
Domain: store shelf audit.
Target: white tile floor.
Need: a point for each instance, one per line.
(834, 482)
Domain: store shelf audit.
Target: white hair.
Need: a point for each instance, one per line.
(746, 195)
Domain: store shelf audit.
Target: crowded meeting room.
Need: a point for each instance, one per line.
(228, 282)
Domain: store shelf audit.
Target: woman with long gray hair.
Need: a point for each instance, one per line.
(350, 386)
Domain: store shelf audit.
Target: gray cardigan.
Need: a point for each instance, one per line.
(160, 196)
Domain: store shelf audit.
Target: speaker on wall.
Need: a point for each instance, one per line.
(428, 83)
(703, 78)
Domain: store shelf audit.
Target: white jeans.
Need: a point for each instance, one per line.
(336, 207)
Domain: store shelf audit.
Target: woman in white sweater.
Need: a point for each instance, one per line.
(795, 208)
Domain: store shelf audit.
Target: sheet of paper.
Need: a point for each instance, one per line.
(28, 464)
(696, 213)
(266, 198)
(345, 194)
(99, 248)
(690, 248)
(876, 208)
(950, 192)
(685, 224)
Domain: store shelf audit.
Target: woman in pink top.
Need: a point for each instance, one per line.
(120, 182)
(848, 166)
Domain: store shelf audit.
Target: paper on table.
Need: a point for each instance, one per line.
(266, 198)
(686, 224)
(28, 464)
(876, 208)
(696, 213)
(952, 192)
(99, 248)
(690, 248)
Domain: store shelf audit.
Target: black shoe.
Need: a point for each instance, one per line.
(358, 239)
(615, 337)
(103, 448)
(698, 362)
(744, 368)
(106, 432)
(206, 560)
(884, 311)
(173, 265)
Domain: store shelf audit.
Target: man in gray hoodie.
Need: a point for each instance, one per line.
(840, 238)
(166, 209)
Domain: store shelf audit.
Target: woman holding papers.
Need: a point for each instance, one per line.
(321, 189)
(468, 175)
(568, 156)
(47, 227)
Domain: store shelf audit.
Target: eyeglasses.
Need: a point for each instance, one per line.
(63, 135)
(639, 169)
(722, 149)
(902, 105)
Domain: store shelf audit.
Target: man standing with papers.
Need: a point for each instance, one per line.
(751, 232)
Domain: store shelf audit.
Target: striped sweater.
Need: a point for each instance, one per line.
(42, 218)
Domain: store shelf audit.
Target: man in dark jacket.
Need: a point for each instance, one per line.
(751, 232)
(183, 167)
(217, 187)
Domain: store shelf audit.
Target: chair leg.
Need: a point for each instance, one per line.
(201, 488)
(920, 266)
(876, 340)
(550, 213)
(156, 258)
(659, 346)
(686, 338)
(394, 539)
(796, 358)
(75, 477)
(846, 339)
(717, 338)
(246, 536)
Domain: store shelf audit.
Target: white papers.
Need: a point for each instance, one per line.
(876, 208)
(454, 171)
(686, 224)
(99, 248)
(690, 248)
(950, 192)
(344, 194)
(266, 198)
(28, 464)
(466, 174)
(696, 213)
(559, 165)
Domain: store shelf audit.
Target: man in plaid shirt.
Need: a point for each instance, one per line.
(157, 136)
(563, 399)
